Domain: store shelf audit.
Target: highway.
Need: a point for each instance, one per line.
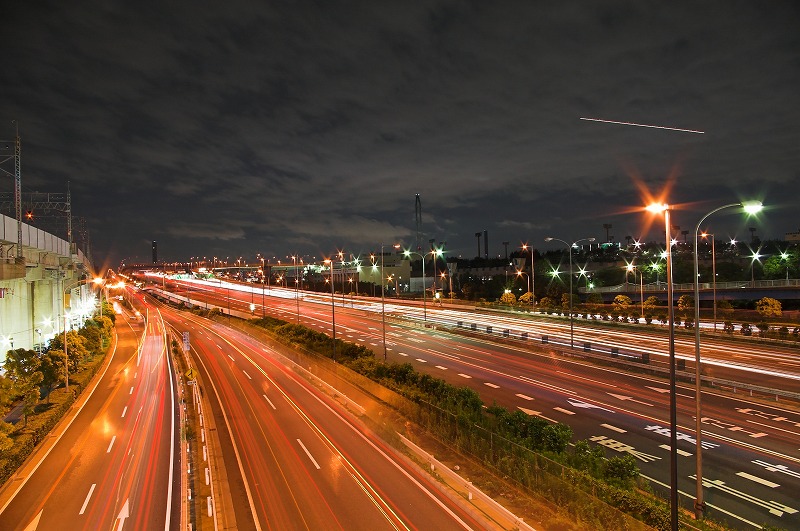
(751, 453)
(294, 458)
(113, 467)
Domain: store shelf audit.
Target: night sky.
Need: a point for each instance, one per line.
(238, 127)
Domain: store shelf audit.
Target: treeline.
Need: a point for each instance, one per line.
(31, 376)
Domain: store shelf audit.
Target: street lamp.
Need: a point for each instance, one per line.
(673, 406)
(296, 293)
(532, 277)
(333, 310)
(383, 300)
(519, 274)
(785, 257)
(755, 257)
(632, 268)
(750, 208)
(66, 320)
(713, 274)
(424, 287)
(570, 246)
(263, 281)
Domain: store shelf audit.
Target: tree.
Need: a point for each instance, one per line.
(508, 298)
(5, 441)
(768, 307)
(594, 298)
(651, 302)
(725, 309)
(621, 303)
(20, 365)
(685, 303)
(526, 297)
(52, 366)
(546, 303)
(565, 297)
(29, 400)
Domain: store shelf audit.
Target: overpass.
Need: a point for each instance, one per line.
(782, 289)
(42, 285)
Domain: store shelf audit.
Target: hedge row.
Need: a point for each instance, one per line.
(527, 449)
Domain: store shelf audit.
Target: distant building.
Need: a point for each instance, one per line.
(155, 252)
(793, 236)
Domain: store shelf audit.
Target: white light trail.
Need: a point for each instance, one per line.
(695, 131)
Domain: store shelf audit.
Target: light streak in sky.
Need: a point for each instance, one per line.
(644, 125)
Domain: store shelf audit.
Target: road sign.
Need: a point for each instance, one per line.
(191, 374)
(186, 341)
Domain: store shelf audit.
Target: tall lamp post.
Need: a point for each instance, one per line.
(673, 407)
(571, 319)
(383, 300)
(333, 309)
(713, 274)
(750, 208)
(424, 286)
(73, 285)
(296, 293)
(521, 273)
(632, 268)
(532, 278)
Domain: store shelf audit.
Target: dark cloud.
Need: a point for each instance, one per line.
(241, 127)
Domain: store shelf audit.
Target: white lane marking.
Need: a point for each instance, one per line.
(114, 438)
(464, 375)
(269, 401)
(524, 397)
(614, 428)
(308, 453)
(783, 469)
(679, 452)
(715, 507)
(562, 410)
(757, 479)
(231, 357)
(773, 427)
(402, 353)
(586, 405)
(604, 384)
(131, 391)
(124, 411)
(629, 398)
(536, 414)
(248, 376)
(422, 360)
(135, 375)
(658, 389)
(493, 386)
(440, 367)
(86, 501)
(776, 508)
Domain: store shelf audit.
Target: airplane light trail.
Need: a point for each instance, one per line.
(645, 125)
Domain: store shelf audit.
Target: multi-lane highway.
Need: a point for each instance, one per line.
(293, 458)
(112, 463)
(751, 453)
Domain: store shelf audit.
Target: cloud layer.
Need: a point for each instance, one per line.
(235, 128)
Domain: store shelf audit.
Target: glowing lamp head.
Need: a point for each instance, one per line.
(657, 207)
(548, 239)
(752, 207)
